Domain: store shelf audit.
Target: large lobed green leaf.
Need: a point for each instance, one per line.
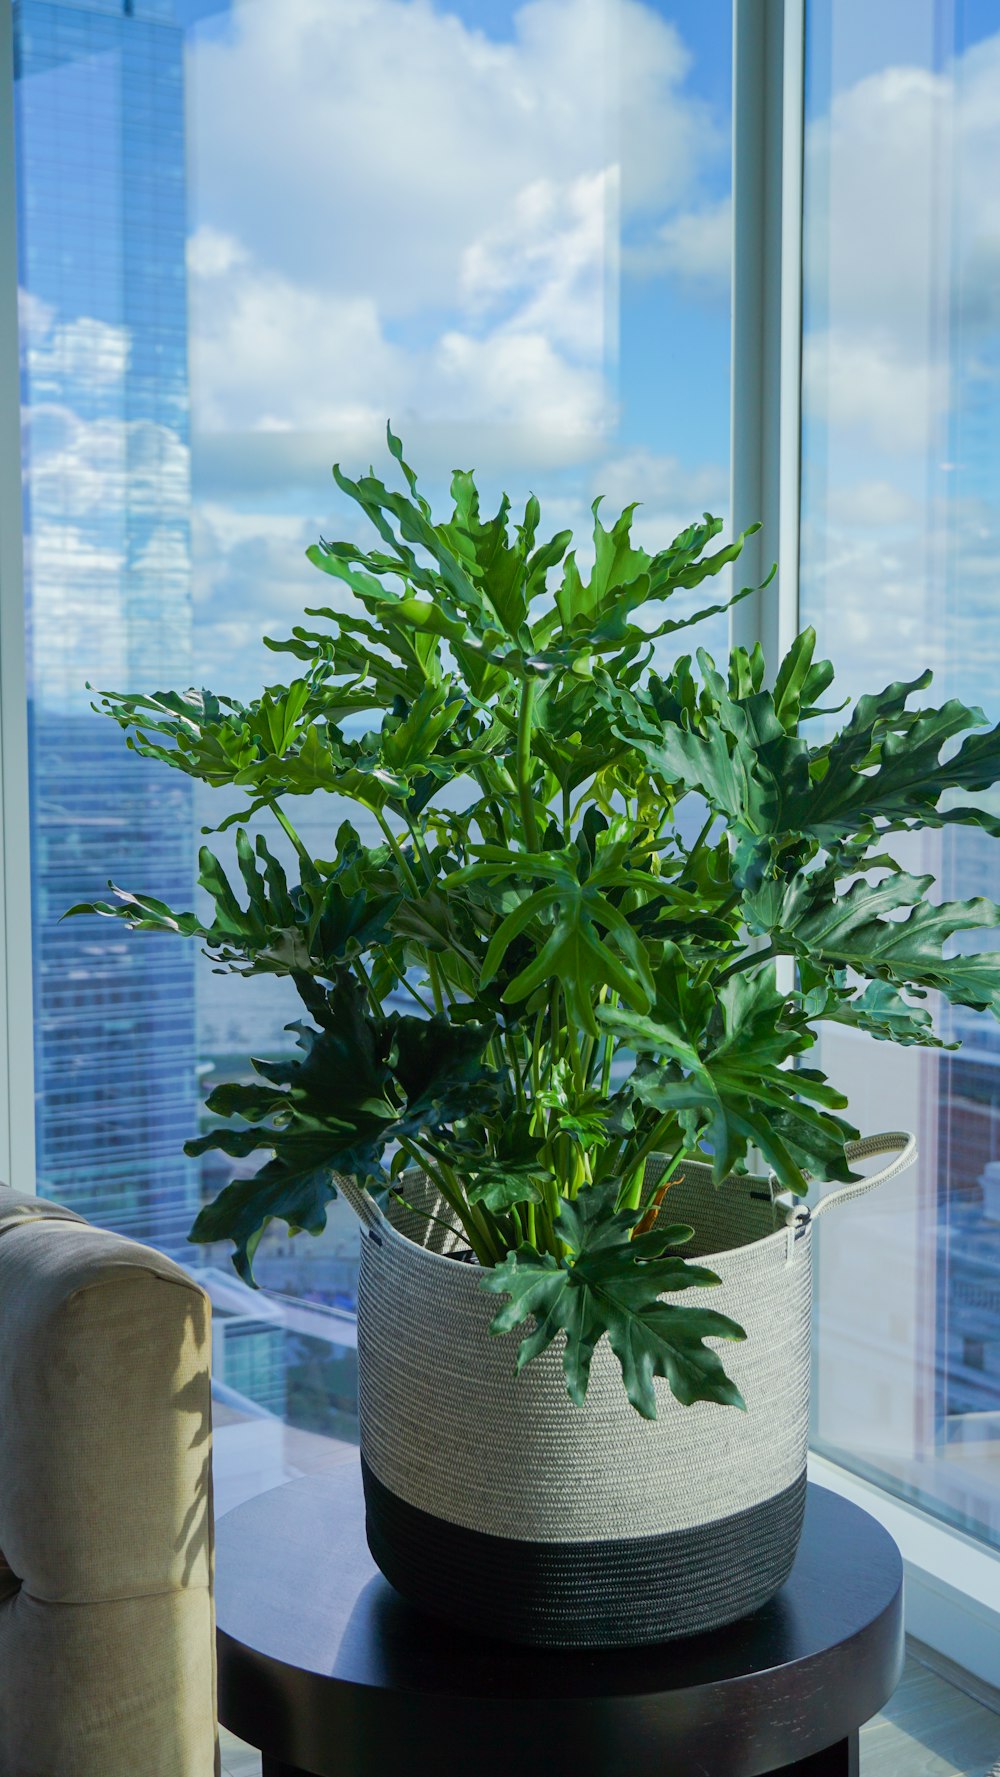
(731, 1091)
(358, 1085)
(607, 1282)
(850, 931)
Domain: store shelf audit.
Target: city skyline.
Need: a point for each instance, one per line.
(102, 226)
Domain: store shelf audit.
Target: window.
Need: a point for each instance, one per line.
(900, 522)
(246, 239)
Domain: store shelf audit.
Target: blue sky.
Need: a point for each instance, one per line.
(505, 228)
(901, 360)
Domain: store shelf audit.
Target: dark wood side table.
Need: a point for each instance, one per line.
(330, 1673)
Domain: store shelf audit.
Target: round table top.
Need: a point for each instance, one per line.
(327, 1669)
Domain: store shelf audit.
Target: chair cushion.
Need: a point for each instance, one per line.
(16, 1209)
(105, 1504)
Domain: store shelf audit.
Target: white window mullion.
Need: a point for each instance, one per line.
(790, 395)
(767, 309)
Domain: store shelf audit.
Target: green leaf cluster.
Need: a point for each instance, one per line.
(587, 879)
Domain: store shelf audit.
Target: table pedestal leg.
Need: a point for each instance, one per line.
(842, 1760)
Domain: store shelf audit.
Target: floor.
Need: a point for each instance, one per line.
(238, 1760)
(932, 1728)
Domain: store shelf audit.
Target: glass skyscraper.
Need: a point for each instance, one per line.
(102, 229)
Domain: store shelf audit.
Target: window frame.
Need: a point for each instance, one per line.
(951, 1577)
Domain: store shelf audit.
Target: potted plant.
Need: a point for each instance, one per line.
(619, 902)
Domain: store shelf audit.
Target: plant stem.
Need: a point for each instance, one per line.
(609, 1051)
(630, 1194)
(523, 763)
(650, 1146)
(553, 1009)
(703, 835)
(421, 851)
(435, 977)
(394, 846)
(435, 974)
(553, 1203)
(494, 805)
(508, 1037)
(453, 1196)
(579, 1079)
(400, 975)
(427, 1214)
(366, 981)
(536, 1053)
(283, 820)
(475, 1215)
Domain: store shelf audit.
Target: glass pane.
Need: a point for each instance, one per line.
(900, 520)
(249, 234)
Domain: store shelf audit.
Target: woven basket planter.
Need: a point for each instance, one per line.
(495, 1502)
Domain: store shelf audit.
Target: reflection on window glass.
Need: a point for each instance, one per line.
(248, 235)
(900, 530)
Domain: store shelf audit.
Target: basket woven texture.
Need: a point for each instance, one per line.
(448, 1426)
(493, 1501)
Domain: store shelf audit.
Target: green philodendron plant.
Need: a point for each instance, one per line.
(588, 873)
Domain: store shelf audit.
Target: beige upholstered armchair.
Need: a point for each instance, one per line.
(107, 1657)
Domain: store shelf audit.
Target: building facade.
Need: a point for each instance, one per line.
(102, 230)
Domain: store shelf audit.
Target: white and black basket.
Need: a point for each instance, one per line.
(495, 1502)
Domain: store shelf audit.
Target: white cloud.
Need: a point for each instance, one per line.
(865, 381)
(521, 381)
(440, 240)
(82, 349)
(555, 258)
(34, 317)
(663, 483)
(899, 554)
(905, 202)
(367, 143)
(67, 553)
(270, 356)
(399, 216)
(916, 588)
(694, 245)
(876, 504)
(902, 268)
(165, 557)
(267, 353)
(108, 511)
(251, 578)
(76, 629)
(101, 467)
(211, 253)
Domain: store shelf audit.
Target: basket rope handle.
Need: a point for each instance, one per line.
(895, 1141)
(363, 1205)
